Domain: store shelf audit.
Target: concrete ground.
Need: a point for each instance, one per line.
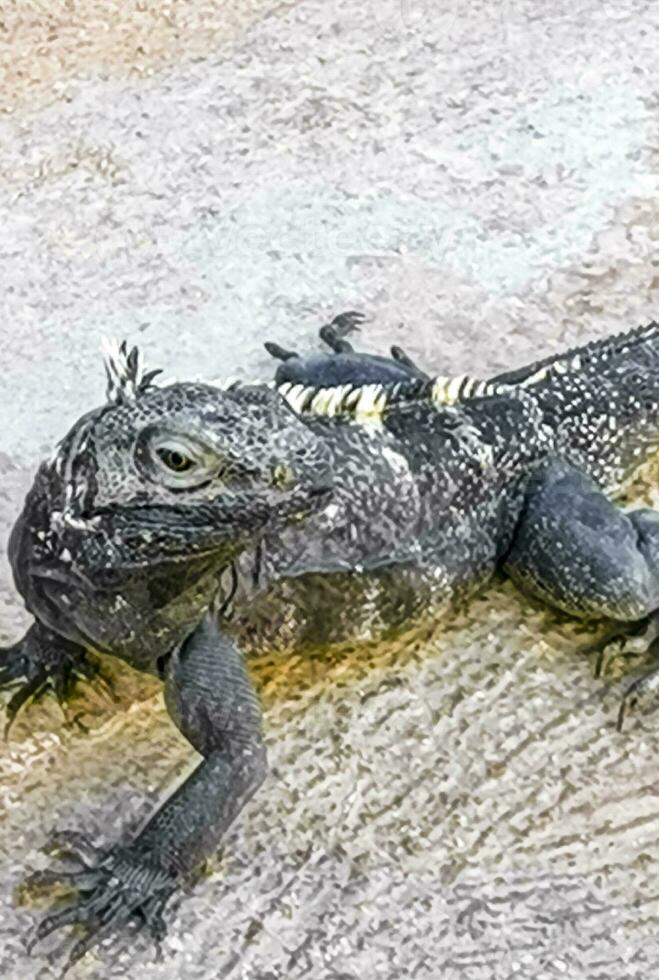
(480, 178)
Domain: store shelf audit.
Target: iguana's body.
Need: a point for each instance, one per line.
(595, 408)
(121, 549)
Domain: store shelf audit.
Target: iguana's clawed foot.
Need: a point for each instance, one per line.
(635, 640)
(334, 333)
(40, 662)
(114, 888)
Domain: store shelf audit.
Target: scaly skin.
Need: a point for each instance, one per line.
(170, 521)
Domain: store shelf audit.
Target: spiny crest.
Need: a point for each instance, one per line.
(608, 347)
(450, 391)
(126, 379)
(543, 373)
(369, 402)
(340, 400)
(590, 355)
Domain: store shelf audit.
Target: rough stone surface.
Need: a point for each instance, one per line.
(482, 180)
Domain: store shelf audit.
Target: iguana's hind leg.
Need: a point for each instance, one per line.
(343, 365)
(211, 699)
(333, 334)
(576, 550)
(42, 661)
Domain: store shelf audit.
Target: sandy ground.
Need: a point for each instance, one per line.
(482, 181)
(46, 46)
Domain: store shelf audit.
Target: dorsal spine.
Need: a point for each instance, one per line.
(371, 401)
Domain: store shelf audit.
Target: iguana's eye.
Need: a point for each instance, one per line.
(174, 459)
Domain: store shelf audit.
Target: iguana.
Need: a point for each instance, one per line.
(171, 520)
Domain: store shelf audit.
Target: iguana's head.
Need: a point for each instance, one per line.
(189, 446)
(159, 487)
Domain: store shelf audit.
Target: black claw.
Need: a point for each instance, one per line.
(401, 357)
(81, 947)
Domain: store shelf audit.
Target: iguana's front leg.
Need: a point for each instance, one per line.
(578, 551)
(212, 701)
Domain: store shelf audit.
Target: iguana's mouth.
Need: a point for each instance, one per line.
(153, 534)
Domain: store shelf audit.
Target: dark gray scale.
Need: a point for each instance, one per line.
(344, 365)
